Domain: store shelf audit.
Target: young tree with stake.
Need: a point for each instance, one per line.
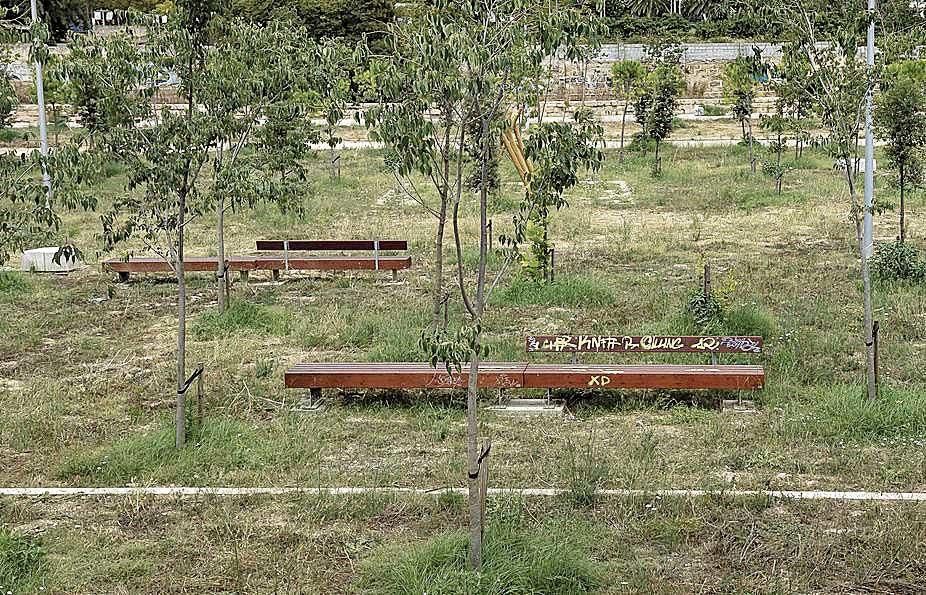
(627, 75)
(475, 54)
(901, 120)
(842, 83)
(231, 76)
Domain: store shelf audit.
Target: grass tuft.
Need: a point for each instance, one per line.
(548, 559)
(12, 284)
(565, 291)
(240, 316)
(844, 415)
(22, 561)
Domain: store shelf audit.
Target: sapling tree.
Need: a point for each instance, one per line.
(795, 91)
(336, 63)
(901, 120)
(665, 83)
(740, 84)
(420, 75)
(841, 81)
(657, 94)
(471, 59)
(627, 76)
(557, 153)
(231, 75)
(778, 125)
(251, 74)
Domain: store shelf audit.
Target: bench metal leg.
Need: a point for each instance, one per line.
(276, 275)
(123, 276)
(549, 396)
(244, 277)
(395, 275)
(315, 396)
(501, 396)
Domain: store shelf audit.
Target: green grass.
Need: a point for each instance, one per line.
(841, 415)
(574, 291)
(22, 563)
(549, 558)
(219, 449)
(240, 317)
(12, 284)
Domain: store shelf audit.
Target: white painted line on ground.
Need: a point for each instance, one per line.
(38, 492)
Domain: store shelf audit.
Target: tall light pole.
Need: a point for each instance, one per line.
(40, 99)
(868, 223)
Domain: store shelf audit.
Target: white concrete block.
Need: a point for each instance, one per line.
(41, 260)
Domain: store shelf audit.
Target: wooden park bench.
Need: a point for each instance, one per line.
(502, 376)
(285, 260)
(125, 267)
(281, 262)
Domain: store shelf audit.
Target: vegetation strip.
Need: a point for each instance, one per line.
(529, 492)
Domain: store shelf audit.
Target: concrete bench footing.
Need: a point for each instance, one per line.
(541, 407)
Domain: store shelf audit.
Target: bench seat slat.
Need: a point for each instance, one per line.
(247, 263)
(655, 376)
(191, 263)
(308, 245)
(400, 376)
(333, 263)
(525, 375)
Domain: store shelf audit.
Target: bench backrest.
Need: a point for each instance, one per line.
(309, 245)
(643, 344)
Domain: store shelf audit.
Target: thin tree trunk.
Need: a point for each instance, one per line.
(868, 330)
(903, 231)
(472, 457)
(623, 127)
(332, 155)
(181, 330)
(472, 423)
(437, 272)
(778, 171)
(657, 167)
(221, 272)
(752, 154)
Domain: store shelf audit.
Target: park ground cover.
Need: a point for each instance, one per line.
(86, 374)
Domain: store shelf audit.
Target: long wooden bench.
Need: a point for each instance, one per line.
(125, 267)
(284, 259)
(281, 262)
(709, 376)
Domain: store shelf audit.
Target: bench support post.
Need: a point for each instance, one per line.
(313, 404)
(123, 276)
(244, 276)
(395, 275)
(276, 274)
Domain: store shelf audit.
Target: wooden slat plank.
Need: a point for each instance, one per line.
(332, 263)
(643, 344)
(650, 376)
(400, 376)
(523, 375)
(191, 264)
(306, 245)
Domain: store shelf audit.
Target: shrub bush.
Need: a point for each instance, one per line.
(898, 261)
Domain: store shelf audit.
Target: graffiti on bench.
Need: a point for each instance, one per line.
(442, 379)
(647, 343)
